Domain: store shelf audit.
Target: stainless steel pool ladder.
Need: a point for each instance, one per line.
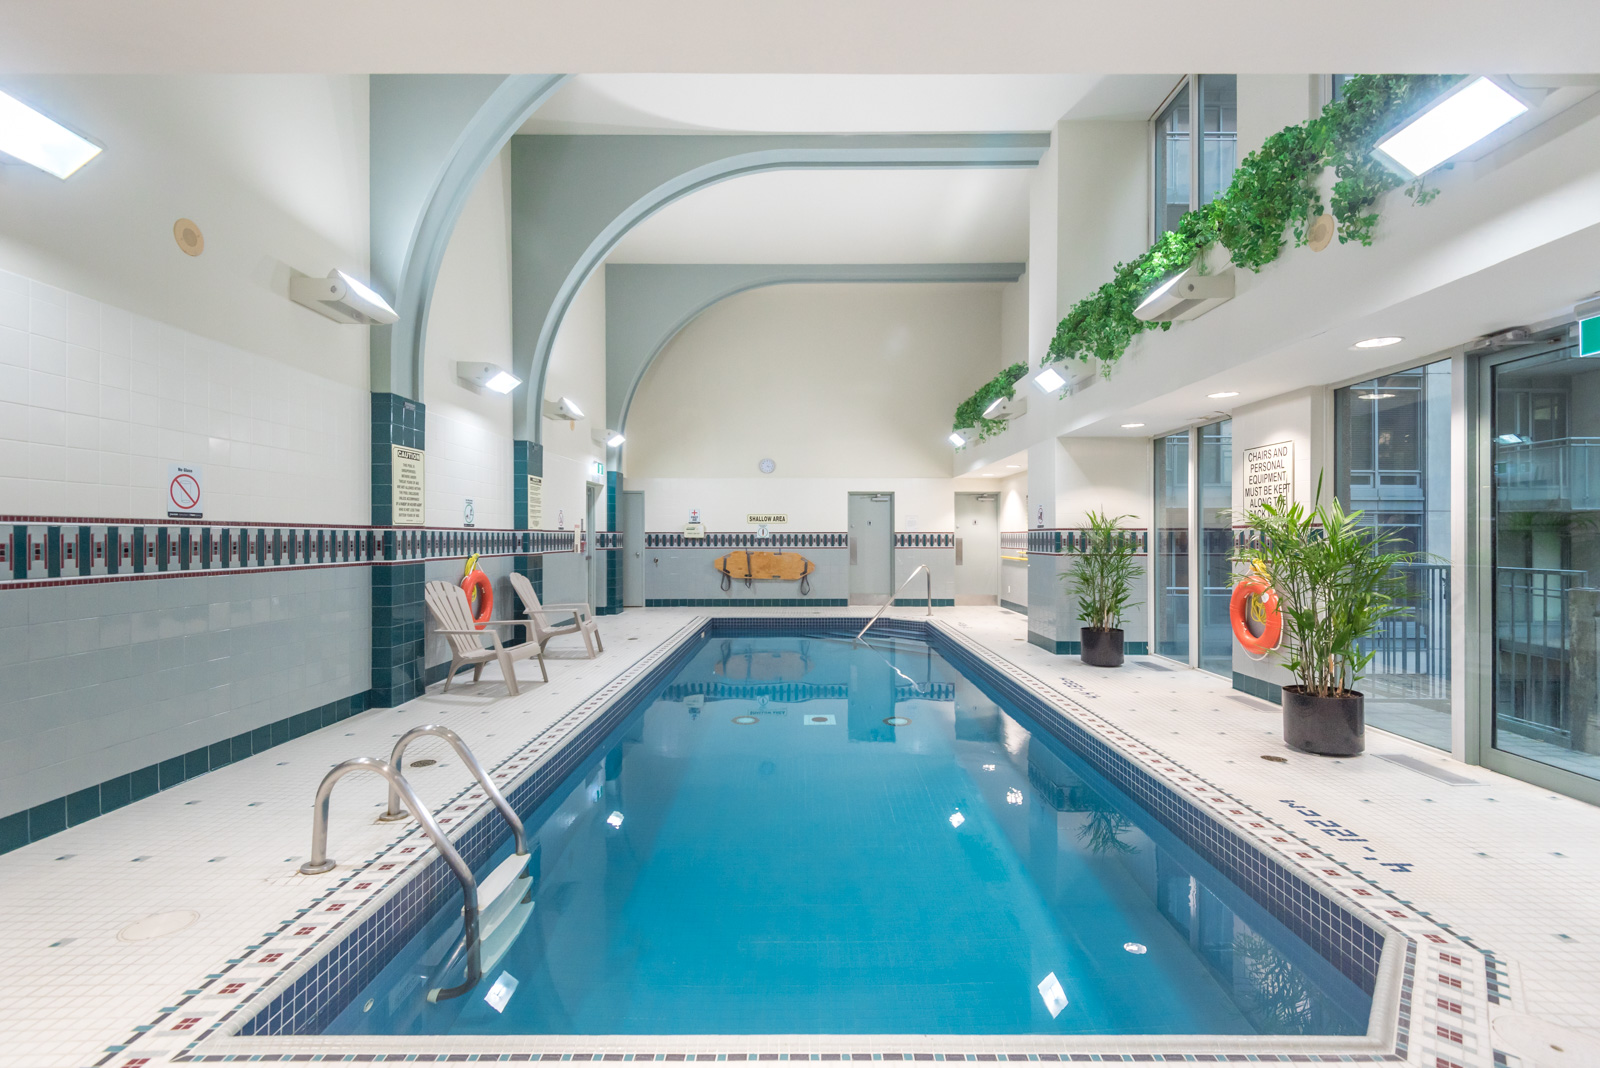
(436, 730)
(320, 861)
(885, 606)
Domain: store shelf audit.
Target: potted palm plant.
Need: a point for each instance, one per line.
(1336, 582)
(1102, 576)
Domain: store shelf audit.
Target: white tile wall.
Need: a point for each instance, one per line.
(469, 457)
(95, 402)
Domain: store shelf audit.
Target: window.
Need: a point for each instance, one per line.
(1171, 549)
(1196, 146)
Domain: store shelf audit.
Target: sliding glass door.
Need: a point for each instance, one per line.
(1170, 553)
(1193, 506)
(1544, 634)
(1392, 448)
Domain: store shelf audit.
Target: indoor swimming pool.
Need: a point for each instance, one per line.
(791, 834)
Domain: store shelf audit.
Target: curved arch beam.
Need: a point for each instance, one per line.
(431, 136)
(648, 304)
(574, 197)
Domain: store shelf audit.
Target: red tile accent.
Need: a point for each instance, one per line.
(1446, 1033)
(305, 930)
(231, 988)
(186, 1024)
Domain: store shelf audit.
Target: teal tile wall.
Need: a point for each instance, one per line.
(397, 605)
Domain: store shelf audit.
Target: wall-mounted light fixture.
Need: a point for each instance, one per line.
(565, 408)
(611, 439)
(1006, 408)
(39, 140)
(957, 439)
(1049, 380)
(1455, 122)
(487, 376)
(343, 298)
(1186, 295)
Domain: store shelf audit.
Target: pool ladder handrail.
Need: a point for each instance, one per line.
(437, 730)
(885, 606)
(320, 861)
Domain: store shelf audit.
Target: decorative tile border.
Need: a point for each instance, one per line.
(1062, 541)
(746, 602)
(906, 540)
(1443, 989)
(42, 550)
(745, 539)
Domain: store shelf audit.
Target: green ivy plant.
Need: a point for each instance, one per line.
(1274, 192)
(1002, 385)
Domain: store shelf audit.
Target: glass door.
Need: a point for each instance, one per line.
(1214, 475)
(1170, 554)
(1543, 642)
(1392, 448)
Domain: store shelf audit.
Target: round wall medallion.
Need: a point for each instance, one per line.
(767, 467)
(1320, 232)
(162, 923)
(188, 236)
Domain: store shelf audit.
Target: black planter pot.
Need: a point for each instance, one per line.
(1326, 726)
(1100, 648)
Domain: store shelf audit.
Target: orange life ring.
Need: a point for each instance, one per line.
(477, 583)
(1255, 604)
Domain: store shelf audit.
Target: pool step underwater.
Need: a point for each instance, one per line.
(509, 893)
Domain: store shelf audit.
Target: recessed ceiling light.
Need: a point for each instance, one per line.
(41, 141)
(1224, 394)
(1457, 122)
(1014, 467)
(1374, 396)
(1049, 380)
(1377, 342)
(1131, 426)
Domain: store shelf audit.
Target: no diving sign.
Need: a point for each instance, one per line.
(183, 492)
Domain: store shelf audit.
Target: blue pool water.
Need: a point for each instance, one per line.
(797, 836)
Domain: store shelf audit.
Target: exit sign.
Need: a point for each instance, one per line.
(1589, 336)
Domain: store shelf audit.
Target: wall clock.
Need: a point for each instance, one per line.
(767, 467)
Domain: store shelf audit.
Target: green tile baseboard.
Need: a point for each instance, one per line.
(57, 814)
(746, 602)
(1063, 648)
(922, 602)
(1267, 691)
(1020, 609)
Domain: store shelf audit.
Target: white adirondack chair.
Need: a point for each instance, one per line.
(582, 622)
(452, 615)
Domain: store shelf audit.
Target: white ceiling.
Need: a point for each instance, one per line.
(846, 216)
(822, 36)
(810, 103)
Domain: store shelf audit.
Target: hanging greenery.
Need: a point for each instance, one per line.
(1273, 192)
(1002, 385)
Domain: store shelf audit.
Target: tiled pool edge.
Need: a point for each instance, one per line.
(999, 672)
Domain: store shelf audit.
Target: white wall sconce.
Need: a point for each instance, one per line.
(1455, 122)
(958, 438)
(1186, 295)
(486, 376)
(1006, 408)
(611, 439)
(343, 298)
(1049, 380)
(566, 408)
(41, 141)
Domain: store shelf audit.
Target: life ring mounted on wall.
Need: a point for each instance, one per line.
(480, 592)
(1257, 620)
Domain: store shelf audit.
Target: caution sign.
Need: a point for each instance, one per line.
(183, 492)
(406, 486)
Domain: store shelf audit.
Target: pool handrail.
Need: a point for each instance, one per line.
(437, 730)
(885, 606)
(320, 862)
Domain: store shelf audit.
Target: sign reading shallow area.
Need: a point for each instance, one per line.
(766, 518)
(1268, 474)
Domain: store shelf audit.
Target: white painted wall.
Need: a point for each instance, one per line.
(845, 387)
(1014, 517)
(272, 167)
(1103, 203)
(469, 430)
(1269, 102)
(577, 370)
(120, 355)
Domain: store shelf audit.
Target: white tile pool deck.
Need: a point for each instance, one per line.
(1511, 868)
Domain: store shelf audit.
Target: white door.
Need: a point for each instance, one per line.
(977, 548)
(871, 518)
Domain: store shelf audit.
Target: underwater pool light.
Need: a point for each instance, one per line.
(957, 819)
(1453, 123)
(45, 143)
(615, 820)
